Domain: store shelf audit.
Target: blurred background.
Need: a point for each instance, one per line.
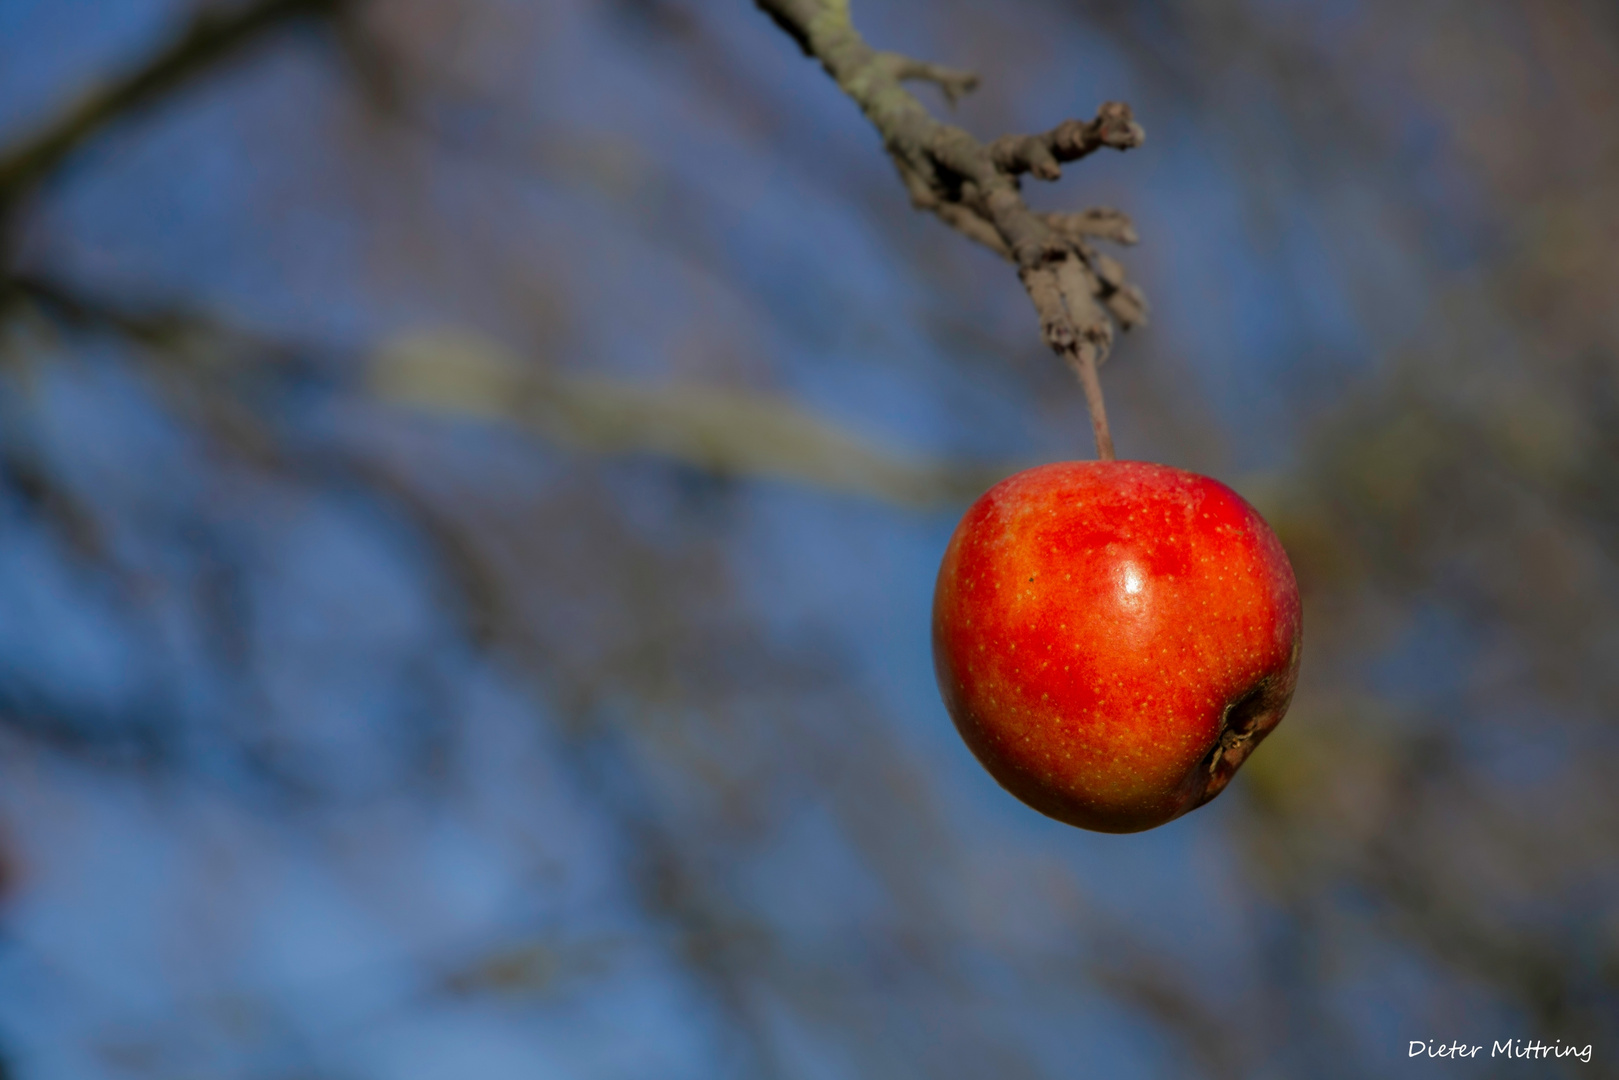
(471, 479)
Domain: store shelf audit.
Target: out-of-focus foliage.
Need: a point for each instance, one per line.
(473, 474)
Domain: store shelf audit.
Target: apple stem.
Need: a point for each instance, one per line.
(1083, 361)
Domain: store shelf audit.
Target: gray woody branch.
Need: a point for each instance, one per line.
(974, 188)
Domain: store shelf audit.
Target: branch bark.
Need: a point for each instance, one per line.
(1077, 293)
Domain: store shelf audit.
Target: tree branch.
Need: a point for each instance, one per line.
(211, 38)
(955, 84)
(974, 188)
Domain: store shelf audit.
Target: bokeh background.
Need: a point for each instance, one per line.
(471, 479)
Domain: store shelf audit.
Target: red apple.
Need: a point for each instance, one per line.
(1113, 638)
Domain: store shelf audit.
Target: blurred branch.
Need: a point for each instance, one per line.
(1158, 991)
(153, 328)
(724, 432)
(974, 188)
(718, 431)
(211, 38)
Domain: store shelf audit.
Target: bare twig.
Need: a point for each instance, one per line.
(974, 188)
(955, 84)
(1068, 141)
(1099, 222)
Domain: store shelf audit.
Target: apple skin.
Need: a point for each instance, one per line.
(1113, 638)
